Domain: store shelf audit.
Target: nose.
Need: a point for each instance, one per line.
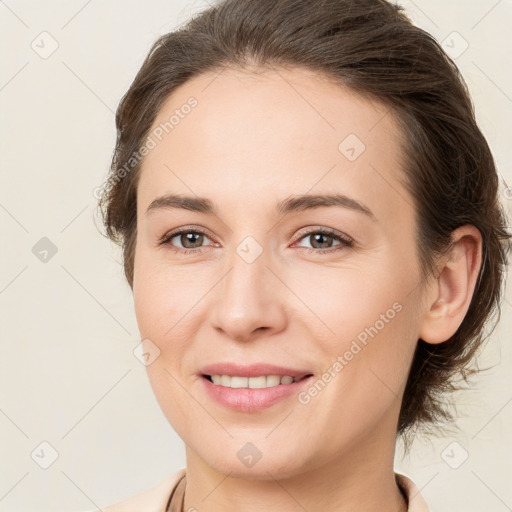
(248, 300)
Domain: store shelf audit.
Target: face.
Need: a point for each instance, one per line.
(259, 274)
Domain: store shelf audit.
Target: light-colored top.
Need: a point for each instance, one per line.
(169, 494)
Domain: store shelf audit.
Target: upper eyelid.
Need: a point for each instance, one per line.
(180, 231)
(319, 229)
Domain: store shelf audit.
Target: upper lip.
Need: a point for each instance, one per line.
(251, 370)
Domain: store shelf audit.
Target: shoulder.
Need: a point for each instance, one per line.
(416, 501)
(153, 499)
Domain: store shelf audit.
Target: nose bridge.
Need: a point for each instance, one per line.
(246, 299)
(248, 262)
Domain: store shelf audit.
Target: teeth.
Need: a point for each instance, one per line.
(252, 382)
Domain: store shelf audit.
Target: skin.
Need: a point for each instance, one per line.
(258, 137)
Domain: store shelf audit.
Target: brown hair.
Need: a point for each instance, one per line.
(371, 47)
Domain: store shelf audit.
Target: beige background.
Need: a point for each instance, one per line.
(68, 376)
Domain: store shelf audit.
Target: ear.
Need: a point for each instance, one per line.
(450, 293)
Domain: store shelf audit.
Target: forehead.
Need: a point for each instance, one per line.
(285, 130)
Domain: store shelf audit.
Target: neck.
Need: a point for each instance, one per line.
(361, 480)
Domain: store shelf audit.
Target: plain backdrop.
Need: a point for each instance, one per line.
(79, 425)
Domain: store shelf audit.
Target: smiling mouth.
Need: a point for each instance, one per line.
(260, 382)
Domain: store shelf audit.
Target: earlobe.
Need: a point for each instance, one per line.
(450, 293)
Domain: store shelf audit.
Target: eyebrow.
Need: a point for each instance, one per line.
(289, 205)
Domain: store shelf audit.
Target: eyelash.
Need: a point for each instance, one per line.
(345, 242)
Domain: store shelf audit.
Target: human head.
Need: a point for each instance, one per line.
(371, 48)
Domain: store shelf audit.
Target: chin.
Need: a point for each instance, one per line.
(248, 465)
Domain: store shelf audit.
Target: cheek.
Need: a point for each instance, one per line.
(165, 317)
(345, 301)
(367, 318)
(167, 301)
(161, 301)
(162, 294)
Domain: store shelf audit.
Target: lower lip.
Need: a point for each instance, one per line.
(252, 400)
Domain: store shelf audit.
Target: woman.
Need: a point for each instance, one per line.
(310, 227)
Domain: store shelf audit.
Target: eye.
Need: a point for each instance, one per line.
(188, 240)
(321, 241)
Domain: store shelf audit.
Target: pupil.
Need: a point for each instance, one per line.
(189, 237)
(324, 244)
